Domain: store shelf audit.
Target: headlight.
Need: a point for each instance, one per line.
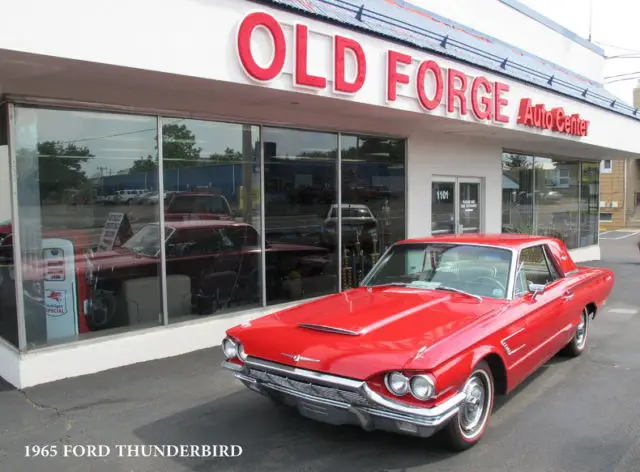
(422, 387)
(241, 353)
(397, 383)
(229, 348)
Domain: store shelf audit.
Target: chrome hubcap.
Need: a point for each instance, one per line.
(581, 332)
(474, 409)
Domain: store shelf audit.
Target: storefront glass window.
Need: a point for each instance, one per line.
(517, 194)
(300, 189)
(8, 311)
(212, 217)
(590, 203)
(373, 203)
(89, 249)
(556, 194)
(549, 197)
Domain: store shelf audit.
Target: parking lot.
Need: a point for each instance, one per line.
(578, 415)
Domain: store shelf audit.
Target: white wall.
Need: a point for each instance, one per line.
(204, 47)
(430, 155)
(9, 363)
(514, 27)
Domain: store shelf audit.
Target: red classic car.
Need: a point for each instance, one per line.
(437, 328)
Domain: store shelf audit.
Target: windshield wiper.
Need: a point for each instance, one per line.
(456, 290)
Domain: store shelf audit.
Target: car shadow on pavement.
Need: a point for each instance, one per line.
(277, 438)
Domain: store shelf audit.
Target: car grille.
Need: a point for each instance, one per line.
(331, 393)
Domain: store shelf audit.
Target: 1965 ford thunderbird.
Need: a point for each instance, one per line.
(437, 328)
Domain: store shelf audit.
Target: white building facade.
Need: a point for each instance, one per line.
(195, 164)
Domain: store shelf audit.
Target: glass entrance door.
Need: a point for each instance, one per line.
(456, 205)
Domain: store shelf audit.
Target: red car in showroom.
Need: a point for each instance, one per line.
(437, 329)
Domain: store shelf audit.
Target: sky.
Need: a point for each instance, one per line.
(614, 27)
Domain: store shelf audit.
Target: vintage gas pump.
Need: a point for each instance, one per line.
(65, 289)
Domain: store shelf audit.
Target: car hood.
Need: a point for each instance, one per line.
(360, 333)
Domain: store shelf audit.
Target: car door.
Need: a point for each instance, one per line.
(541, 311)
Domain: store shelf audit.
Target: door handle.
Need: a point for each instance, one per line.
(568, 295)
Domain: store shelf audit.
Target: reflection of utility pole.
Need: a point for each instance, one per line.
(102, 169)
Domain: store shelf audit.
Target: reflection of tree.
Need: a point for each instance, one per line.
(60, 168)
(229, 155)
(179, 149)
(388, 151)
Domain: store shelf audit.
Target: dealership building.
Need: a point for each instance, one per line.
(195, 164)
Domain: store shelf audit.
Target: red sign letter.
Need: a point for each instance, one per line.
(254, 70)
(499, 102)
(426, 102)
(558, 119)
(301, 76)
(393, 76)
(453, 92)
(484, 112)
(340, 83)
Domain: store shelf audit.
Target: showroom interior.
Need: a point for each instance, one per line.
(149, 209)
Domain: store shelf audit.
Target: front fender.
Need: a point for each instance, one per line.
(453, 373)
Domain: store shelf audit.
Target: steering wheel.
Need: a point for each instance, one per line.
(493, 281)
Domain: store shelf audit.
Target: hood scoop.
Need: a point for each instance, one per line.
(329, 329)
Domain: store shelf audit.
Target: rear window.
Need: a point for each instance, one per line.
(198, 204)
(351, 213)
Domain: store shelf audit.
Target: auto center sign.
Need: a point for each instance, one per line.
(434, 86)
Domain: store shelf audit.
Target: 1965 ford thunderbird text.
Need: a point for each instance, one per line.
(437, 329)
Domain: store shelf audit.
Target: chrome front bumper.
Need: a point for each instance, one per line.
(338, 400)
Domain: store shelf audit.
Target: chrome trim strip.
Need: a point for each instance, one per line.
(506, 347)
(303, 373)
(328, 329)
(231, 366)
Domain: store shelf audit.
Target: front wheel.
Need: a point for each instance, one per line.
(579, 341)
(468, 426)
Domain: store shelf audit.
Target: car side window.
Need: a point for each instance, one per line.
(534, 267)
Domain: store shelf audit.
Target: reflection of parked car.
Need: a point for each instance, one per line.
(210, 265)
(358, 225)
(198, 205)
(439, 328)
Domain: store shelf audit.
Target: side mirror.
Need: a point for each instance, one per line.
(536, 289)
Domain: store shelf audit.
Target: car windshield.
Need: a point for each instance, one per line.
(146, 242)
(480, 271)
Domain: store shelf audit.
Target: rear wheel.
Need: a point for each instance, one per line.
(468, 426)
(579, 341)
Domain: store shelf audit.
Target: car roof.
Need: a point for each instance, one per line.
(505, 240)
(351, 205)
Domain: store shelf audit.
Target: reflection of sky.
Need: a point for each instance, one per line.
(117, 141)
(293, 142)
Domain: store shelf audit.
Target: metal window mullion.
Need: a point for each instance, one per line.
(15, 227)
(534, 208)
(263, 225)
(339, 196)
(163, 251)
(579, 241)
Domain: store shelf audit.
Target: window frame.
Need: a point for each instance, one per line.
(554, 270)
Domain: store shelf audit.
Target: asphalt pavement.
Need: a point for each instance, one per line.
(578, 415)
